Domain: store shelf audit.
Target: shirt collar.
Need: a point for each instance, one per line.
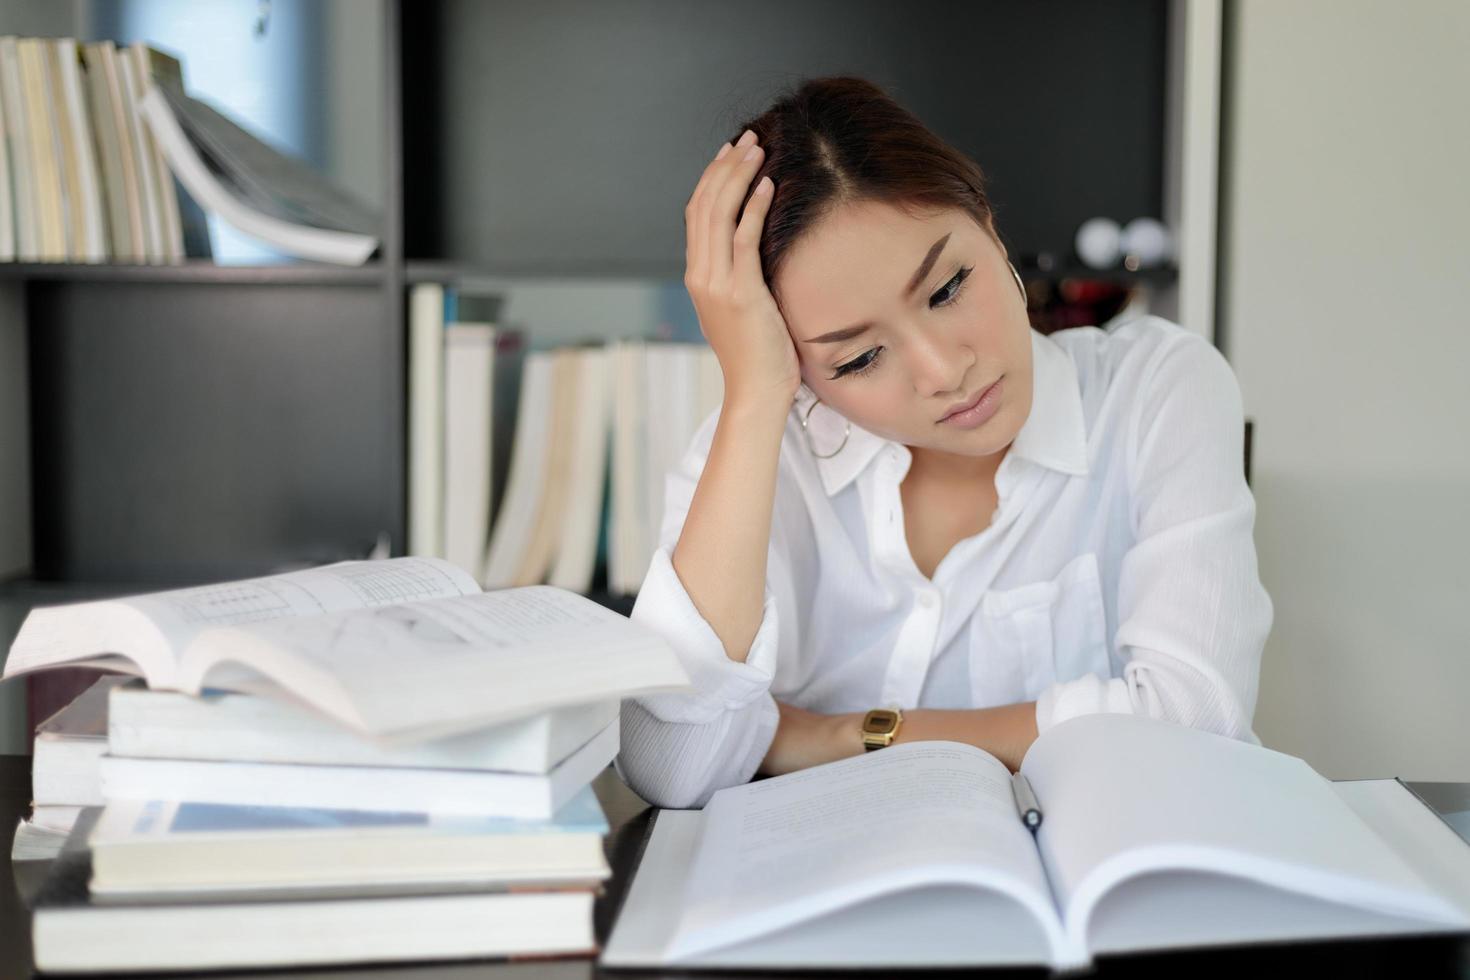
(1054, 434)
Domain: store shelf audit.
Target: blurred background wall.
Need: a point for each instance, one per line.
(1345, 218)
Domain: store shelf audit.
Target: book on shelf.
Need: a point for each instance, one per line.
(39, 120)
(257, 189)
(581, 438)
(348, 638)
(86, 220)
(545, 532)
(368, 788)
(159, 849)
(516, 517)
(81, 176)
(74, 930)
(10, 214)
(469, 366)
(1154, 835)
(464, 372)
(105, 157)
(591, 422)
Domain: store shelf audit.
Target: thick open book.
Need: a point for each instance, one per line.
(401, 649)
(1153, 835)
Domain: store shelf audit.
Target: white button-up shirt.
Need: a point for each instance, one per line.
(1118, 572)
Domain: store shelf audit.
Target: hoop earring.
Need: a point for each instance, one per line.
(804, 429)
(1025, 300)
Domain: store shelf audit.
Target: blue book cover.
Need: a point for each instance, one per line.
(582, 814)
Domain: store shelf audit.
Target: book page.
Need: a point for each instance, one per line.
(468, 661)
(1126, 795)
(786, 849)
(152, 629)
(309, 592)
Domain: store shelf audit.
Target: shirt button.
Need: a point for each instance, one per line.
(926, 600)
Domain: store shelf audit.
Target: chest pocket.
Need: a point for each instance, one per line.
(1024, 639)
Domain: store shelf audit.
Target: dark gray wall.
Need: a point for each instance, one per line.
(240, 430)
(573, 130)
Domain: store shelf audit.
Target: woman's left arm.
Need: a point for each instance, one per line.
(806, 738)
(1193, 616)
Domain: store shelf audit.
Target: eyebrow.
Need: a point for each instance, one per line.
(846, 333)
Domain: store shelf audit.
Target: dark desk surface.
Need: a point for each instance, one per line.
(630, 819)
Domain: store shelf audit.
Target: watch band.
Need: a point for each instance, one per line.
(880, 727)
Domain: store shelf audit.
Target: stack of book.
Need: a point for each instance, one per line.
(534, 466)
(104, 158)
(64, 772)
(365, 761)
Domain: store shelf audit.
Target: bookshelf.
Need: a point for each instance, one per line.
(197, 422)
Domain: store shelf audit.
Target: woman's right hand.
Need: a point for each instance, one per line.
(737, 313)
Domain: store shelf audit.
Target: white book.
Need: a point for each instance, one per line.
(150, 66)
(33, 842)
(129, 232)
(222, 726)
(576, 551)
(658, 442)
(547, 526)
(240, 190)
(144, 163)
(72, 931)
(511, 533)
(112, 190)
(7, 183)
(56, 816)
(266, 182)
(1154, 835)
(17, 138)
(43, 140)
(625, 564)
(156, 847)
(67, 747)
(534, 796)
(88, 216)
(469, 365)
(426, 420)
(350, 638)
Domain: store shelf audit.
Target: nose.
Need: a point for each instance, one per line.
(938, 366)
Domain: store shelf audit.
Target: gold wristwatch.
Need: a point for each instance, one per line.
(880, 727)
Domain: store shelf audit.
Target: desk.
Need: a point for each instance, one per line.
(630, 820)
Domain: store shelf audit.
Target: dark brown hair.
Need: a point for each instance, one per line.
(839, 139)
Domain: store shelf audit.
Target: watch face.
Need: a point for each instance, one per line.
(880, 722)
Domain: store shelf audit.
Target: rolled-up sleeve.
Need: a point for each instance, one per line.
(679, 748)
(1193, 615)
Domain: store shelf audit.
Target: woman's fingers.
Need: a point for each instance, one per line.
(746, 262)
(743, 162)
(695, 210)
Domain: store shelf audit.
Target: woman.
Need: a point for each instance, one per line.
(909, 498)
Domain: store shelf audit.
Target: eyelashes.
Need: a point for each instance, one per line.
(866, 361)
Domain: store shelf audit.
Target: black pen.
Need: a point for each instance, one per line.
(1026, 804)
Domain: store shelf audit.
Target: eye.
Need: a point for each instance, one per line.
(955, 286)
(947, 294)
(858, 366)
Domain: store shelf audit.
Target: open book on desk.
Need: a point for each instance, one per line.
(1154, 835)
(399, 649)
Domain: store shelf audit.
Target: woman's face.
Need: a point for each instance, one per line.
(944, 320)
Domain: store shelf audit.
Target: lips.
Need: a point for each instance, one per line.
(971, 403)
